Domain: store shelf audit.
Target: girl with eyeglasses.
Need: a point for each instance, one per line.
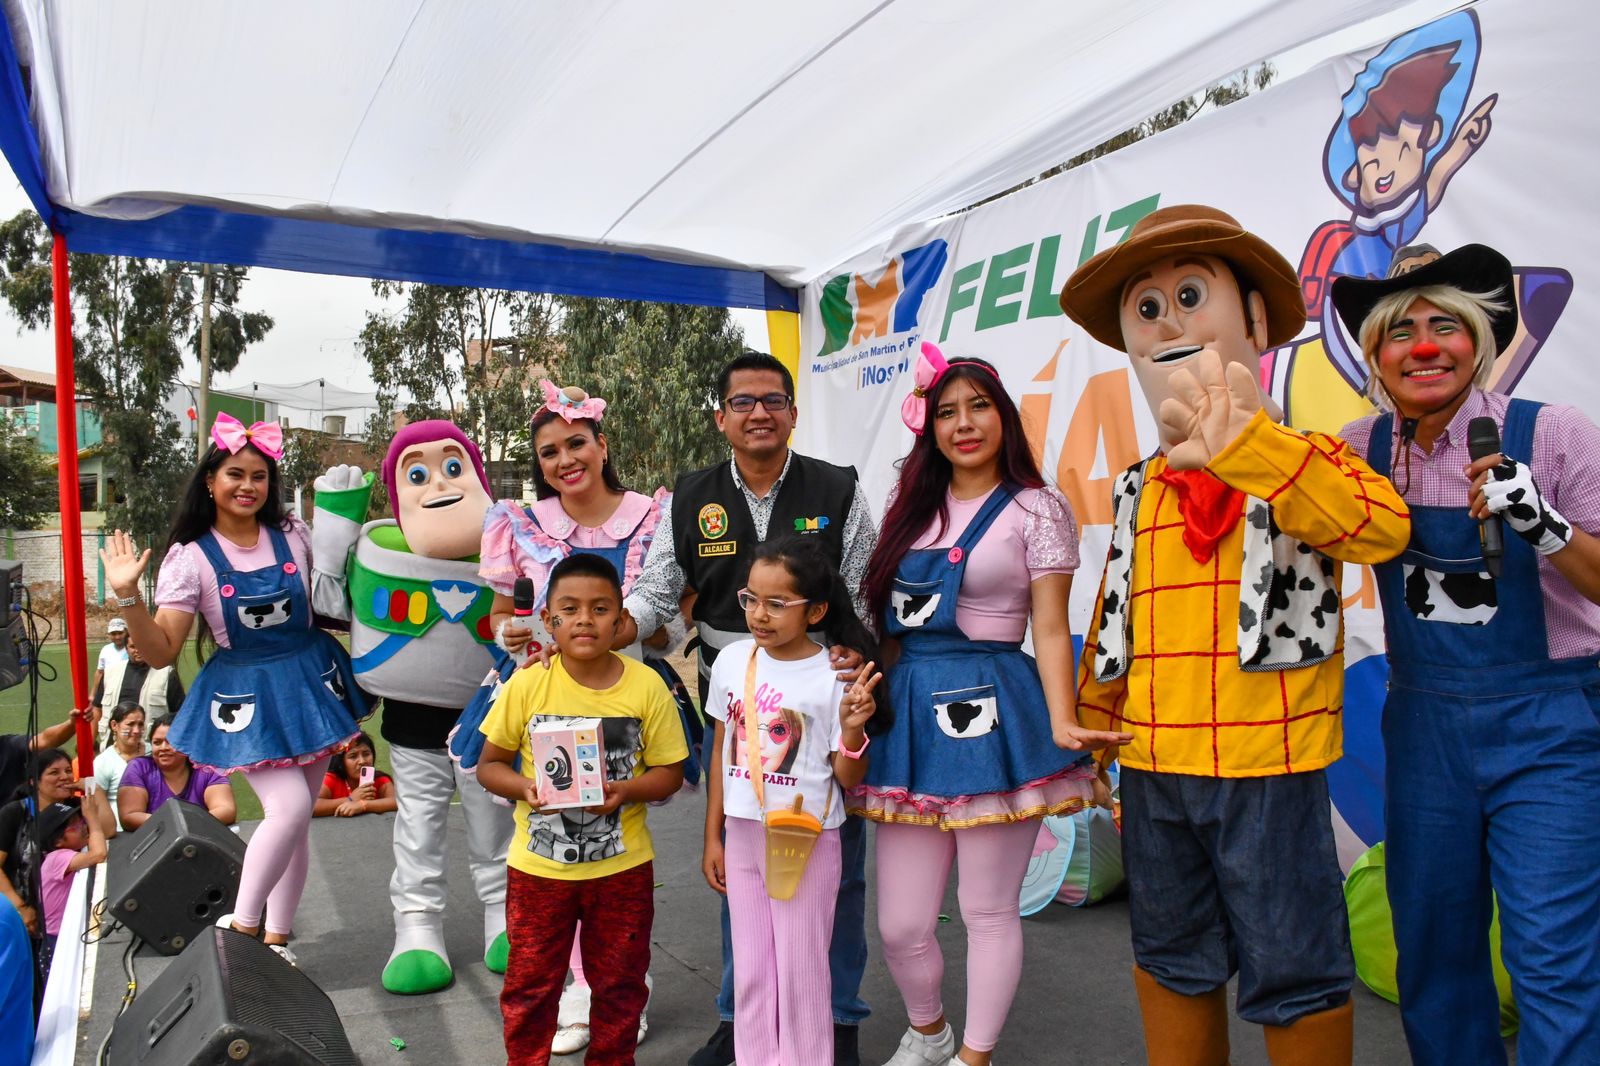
(127, 744)
(789, 736)
(974, 547)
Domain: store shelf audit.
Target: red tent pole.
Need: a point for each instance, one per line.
(71, 516)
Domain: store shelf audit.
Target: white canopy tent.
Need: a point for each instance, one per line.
(709, 151)
(775, 138)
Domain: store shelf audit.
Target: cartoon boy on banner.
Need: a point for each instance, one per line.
(1403, 133)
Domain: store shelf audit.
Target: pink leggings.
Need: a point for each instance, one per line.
(913, 870)
(275, 862)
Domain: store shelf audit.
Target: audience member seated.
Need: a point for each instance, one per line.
(52, 768)
(14, 750)
(127, 744)
(345, 793)
(165, 774)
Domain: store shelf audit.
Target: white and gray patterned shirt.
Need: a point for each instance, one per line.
(660, 585)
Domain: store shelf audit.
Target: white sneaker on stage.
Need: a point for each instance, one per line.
(918, 1049)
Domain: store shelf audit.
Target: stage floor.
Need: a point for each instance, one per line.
(1076, 1003)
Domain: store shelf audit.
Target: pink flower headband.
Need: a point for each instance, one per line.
(231, 435)
(929, 371)
(571, 403)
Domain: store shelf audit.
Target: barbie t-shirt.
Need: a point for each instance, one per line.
(797, 707)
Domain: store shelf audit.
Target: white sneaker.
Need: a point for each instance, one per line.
(285, 954)
(572, 1021)
(918, 1049)
(644, 1015)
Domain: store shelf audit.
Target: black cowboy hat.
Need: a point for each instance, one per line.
(54, 818)
(1474, 268)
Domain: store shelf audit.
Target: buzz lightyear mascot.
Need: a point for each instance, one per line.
(420, 638)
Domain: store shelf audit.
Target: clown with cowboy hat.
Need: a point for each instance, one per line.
(1216, 641)
(1492, 749)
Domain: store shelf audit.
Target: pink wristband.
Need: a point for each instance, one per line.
(847, 753)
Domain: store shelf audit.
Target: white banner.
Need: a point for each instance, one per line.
(1472, 128)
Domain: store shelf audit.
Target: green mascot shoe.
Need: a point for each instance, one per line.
(498, 955)
(417, 972)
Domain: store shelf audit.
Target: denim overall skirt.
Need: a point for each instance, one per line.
(282, 693)
(1492, 756)
(970, 715)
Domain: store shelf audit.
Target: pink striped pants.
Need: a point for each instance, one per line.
(782, 988)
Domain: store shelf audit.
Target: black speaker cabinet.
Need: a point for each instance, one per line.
(173, 876)
(229, 1000)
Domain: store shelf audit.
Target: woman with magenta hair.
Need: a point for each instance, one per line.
(275, 697)
(985, 739)
(581, 506)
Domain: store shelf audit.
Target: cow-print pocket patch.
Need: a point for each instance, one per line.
(1465, 598)
(967, 712)
(913, 603)
(265, 613)
(233, 713)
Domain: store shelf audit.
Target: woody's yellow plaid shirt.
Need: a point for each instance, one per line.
(1185, 700)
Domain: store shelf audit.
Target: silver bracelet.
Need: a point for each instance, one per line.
(128, 601)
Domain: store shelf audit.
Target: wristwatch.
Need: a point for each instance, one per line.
(847, 753)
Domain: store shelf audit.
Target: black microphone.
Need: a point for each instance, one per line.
(522, 589)
(1483, 439)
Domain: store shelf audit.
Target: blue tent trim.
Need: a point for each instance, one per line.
(214, 235)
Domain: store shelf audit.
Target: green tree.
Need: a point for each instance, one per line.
(457, 353)
(656, 365)
(27, 481)
(132, 319)
(1234, 89)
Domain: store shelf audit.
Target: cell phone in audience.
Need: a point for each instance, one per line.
(367, 774)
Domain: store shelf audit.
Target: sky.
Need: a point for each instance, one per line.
(319, 316)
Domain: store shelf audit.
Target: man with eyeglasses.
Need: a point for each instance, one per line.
(703, 546)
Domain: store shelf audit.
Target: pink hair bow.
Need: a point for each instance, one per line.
(570, 408)
(232, 434)
(930, 367)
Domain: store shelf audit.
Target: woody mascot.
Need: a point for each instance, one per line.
(420, 638)
(1217, 641)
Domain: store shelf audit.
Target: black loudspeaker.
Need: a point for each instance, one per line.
(229, 999)
(173, 876)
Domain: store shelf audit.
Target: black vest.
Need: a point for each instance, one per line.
(713, 532)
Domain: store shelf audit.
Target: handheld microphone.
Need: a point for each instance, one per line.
(1483, 439)
(522, 588)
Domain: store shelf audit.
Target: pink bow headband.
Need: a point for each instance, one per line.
(231, 434)
(571, 407)
(929, 370)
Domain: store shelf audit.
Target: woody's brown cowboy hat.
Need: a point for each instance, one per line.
(1093, 295)
(1474, 268)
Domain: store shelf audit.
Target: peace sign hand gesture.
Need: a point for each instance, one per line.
(124, 563)
(858, 706)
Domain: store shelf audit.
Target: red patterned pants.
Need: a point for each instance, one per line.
(541, 914)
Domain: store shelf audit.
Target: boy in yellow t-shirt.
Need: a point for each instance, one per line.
(590, 864)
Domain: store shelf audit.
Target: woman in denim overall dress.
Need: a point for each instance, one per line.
(973, 546)
(276, 697)
(1491, 728)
